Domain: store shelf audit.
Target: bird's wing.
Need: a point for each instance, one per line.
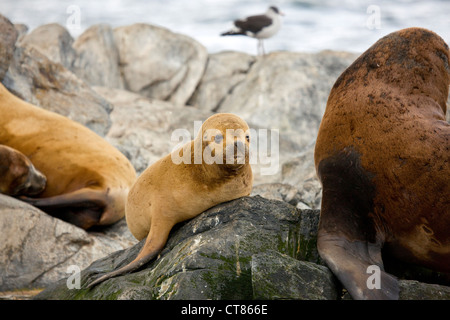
(253, 23)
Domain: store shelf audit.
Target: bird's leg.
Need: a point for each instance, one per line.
(260, 47)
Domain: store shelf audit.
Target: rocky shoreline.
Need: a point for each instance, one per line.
(134, 85)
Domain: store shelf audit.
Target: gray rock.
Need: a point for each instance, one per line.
(37, 249)
(97, 60)
(158, 63)
(142, 127)
(22, 30)
(278, 276)
(277, 191)
(8, 37)
(307, 197)
(38, 80)
(299, 168)
(26, 235)
(224, 71)
(299, 171)
(208, 257)
(54, 41)
(311, 194)
(300, 185)
(414, 290)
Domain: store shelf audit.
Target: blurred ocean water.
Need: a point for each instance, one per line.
(308, 26)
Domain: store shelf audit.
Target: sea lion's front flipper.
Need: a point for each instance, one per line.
(358, 266)
(350, 236)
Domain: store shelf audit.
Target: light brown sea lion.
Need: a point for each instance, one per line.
(168, 193)
(18, 176)
(87, 179)
(382, 155)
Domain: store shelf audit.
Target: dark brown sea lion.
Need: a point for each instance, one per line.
(383, 157)
(216, 169)
(87, 179)
(18, 176)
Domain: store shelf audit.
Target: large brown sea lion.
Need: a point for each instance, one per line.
(18, 176)
(87, 179)
(168, 192)
(383, 157)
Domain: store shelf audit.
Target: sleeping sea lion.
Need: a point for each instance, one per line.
(87, 179)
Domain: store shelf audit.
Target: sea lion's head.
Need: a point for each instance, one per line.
(414, 61)
(225, 141)
(19, 176)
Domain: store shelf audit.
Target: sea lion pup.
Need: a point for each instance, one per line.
(216, 169)
(87, 179)
(18, 176)
(382, 155)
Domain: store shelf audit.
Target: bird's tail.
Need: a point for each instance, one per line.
(232, 33)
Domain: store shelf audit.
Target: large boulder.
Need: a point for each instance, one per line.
(158, 63)
(224, 71)
(54, 41)
(37, 249)
(208, 257)
(249, 248)
(279, 276)
(38, 80)
(97, 60)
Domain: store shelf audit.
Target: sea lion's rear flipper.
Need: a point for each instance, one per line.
(348, 237)
(82, 208)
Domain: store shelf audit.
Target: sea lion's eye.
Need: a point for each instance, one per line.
(218, 138)
(247, 137)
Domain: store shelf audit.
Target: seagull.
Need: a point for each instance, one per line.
(261, 26)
